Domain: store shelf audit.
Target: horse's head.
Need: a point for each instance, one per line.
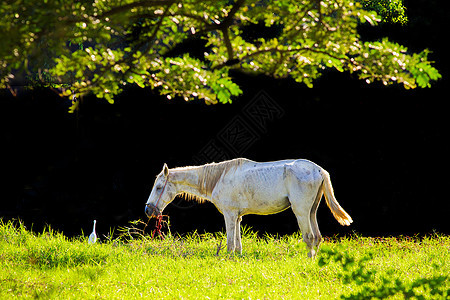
(162, 194)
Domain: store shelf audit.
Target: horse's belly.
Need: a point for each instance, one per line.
(266, 207)
(262, 200)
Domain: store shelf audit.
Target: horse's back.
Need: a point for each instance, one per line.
(279, 166)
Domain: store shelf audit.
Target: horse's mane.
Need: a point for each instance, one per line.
(209, 175)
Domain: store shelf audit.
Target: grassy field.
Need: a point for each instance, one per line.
(51, 266)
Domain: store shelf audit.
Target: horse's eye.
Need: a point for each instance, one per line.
(158, 188)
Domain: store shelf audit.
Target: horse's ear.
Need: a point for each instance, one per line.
(166, 170)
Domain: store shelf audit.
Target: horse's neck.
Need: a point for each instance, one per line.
(187, 181)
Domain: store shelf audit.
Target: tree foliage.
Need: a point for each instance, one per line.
(391, 11)
(102, 46)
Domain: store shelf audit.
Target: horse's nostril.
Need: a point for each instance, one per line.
(151, 211)
(148, 211)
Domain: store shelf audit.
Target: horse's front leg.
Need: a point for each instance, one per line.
(230, 225)
(238, 235)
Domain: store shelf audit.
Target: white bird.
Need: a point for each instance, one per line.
(93, 236)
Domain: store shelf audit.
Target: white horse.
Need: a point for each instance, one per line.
(240, 186)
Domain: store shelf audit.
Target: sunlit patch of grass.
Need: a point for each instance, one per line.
(132, 265)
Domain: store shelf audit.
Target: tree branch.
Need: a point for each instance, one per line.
(224, 27)
(229, 18)
(226, 40)
(284, 51)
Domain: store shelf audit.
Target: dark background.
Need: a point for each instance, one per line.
(385, 147)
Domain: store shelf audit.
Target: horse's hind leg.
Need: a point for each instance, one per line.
(313, 220)
(305, 210)
(307, 233)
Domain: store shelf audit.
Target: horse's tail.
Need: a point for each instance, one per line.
(338, 212)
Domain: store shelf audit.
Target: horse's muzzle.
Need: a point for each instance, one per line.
(151, 211)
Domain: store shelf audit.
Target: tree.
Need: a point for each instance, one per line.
(102, 46)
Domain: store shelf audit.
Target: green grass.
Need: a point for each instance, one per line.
(51, 266)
